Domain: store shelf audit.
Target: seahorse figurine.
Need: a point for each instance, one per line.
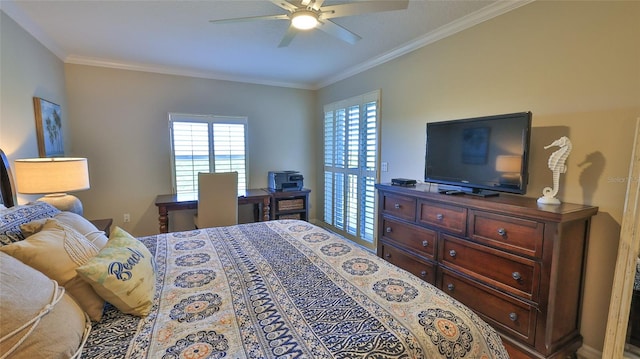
(557, 166)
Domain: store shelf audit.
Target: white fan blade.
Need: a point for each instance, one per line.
(357, 8)
(251, 18)
(314, 4)
(317, 4)
(285, 5)
(338, 31)
(288, 36)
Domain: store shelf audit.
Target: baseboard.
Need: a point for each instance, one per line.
(587, 352)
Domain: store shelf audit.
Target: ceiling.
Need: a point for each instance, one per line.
(176, 37)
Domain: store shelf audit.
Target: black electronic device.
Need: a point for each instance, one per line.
(403, 182)
(285, 181)
(480, 156)
(450, 191)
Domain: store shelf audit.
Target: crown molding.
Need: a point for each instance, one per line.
(15, 13)
(489, 12)
(169, 70)
(496, 9)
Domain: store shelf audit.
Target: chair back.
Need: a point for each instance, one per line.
(217, 199)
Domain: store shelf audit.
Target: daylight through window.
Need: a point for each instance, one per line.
(205, 143)
(350, 166)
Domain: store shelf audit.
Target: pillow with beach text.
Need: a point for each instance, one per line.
(123, 273)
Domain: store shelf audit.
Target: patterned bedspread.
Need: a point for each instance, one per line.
(287, 289)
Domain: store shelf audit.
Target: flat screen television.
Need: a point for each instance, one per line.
(479, 156)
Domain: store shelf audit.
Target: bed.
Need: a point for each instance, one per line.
(276, 289)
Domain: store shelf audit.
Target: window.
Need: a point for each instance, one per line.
(205, 143)
(351, 166)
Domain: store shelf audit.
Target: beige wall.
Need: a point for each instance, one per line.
(575, 65)
(119, 121)
(28, 70)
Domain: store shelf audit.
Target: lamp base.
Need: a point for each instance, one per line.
(64, 202)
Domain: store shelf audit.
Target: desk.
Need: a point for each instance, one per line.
(172, 202)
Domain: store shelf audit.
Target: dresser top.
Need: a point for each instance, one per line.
(504, 203)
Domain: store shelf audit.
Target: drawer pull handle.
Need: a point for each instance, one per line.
(439, 216)
(451, 287)
(388, 229)
(453, 253)
(425, 243)
(423, 273)
(516, 275)
(513, 316)
(396, 206)
(502, 232)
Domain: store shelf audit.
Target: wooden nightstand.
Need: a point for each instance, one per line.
(103, 224)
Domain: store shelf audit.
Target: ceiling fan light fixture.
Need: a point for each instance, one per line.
(304, 20)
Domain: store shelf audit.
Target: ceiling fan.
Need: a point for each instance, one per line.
(309, 14)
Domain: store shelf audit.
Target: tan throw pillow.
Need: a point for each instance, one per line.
(73, 220)
(56, 251)
(123, 273)
(25, 292)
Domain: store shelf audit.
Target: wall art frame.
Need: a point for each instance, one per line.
(48, 128)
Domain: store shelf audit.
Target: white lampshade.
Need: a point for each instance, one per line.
(509, 164)
(53, 177)
(304, 20)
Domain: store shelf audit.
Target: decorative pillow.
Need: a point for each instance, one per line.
(12, 218)
(56, 251)
(73, 220)
(25, 292)
(123, 273)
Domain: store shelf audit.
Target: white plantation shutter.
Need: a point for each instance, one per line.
(191, 154)
(229, 150)
(369, 173)
(329, 146)
(350, 166)
(204, 143)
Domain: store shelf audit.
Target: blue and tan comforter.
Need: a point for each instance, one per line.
(287, 289)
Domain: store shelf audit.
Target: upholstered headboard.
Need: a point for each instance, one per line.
(7, 190)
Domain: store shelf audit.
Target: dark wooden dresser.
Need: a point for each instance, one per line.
(517, 264)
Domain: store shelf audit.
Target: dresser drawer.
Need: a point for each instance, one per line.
(421, 240)
(399, 258)
(513, 234)
(399, 206)
(518, 265)
(502, 311)
(500, 269)
(451, 218)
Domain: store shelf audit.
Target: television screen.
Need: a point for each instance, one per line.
(481, 156)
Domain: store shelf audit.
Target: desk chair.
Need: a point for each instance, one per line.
(217, 200)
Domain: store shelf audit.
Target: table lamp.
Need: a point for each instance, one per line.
(53, 177)
(509, 168)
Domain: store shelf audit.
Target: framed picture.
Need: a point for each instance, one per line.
(48, 128)
(475, 145)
